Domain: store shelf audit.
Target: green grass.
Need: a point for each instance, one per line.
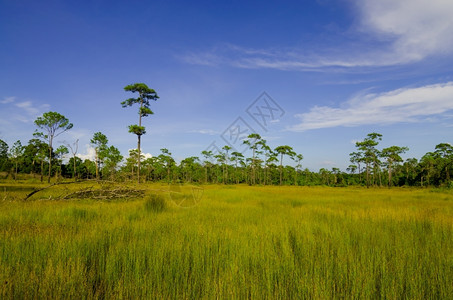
(238, 242)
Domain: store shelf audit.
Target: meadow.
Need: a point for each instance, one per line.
(238, 241)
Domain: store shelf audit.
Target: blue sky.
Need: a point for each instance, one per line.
(337, 70)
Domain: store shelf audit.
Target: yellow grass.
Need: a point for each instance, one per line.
(237, 242)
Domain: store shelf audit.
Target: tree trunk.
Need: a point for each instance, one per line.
(360, 174)
(447, 173)
(253, 167)
(390, 175)
(139, 137)
(50, 163)
(138, 148)
(74, 174)
(407, 175)
(226, 174)
(97, 163)
(380, 177)
(367, 175)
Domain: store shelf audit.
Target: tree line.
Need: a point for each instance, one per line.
(370, 166)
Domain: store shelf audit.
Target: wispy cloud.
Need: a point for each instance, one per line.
(401, 105)
(28, 107)
(206, 131)
(22, 111)
(401, 31)
(28, 111)
(7, 100)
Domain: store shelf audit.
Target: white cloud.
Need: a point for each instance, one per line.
(24, 111)
(417, 28)
(392, 32)
(205, 131)
(90, 153)
(28, 107)
(7, 100)
(144, 154)
(402, 105)
(203, 59)
(147, 155)
(31, 110)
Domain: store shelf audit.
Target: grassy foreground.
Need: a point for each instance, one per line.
(238, 242)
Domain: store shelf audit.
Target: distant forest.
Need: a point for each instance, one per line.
(370, 165)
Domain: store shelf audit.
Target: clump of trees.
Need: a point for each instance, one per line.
(370, 165)
(385, 166)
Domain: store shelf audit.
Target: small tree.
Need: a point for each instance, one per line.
(336, 172)
(207, 163)
(16, 152)
(31, 153)
(76, 167)
(298, 160)
(187, 168)
(74, 148)
(392, 154)
(132, 161)
(60, 153)
(236, 157)
(410, 166)
(227, 160)
(53, 124)
(427, 163)
(99, 141)
(445, 152)
(351, 169)
(357, 158)
(112, 158)
(145, 95)
(370, 153)
(253, 142)
(3, 155)
(167, 161)
(284, 150)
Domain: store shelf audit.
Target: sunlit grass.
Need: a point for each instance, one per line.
(237, 242)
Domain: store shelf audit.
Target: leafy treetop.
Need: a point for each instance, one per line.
(53, 123)
(145, 95)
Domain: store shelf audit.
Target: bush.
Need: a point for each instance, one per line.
(155, 203)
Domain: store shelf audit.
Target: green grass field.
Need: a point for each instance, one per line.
(238, 242)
